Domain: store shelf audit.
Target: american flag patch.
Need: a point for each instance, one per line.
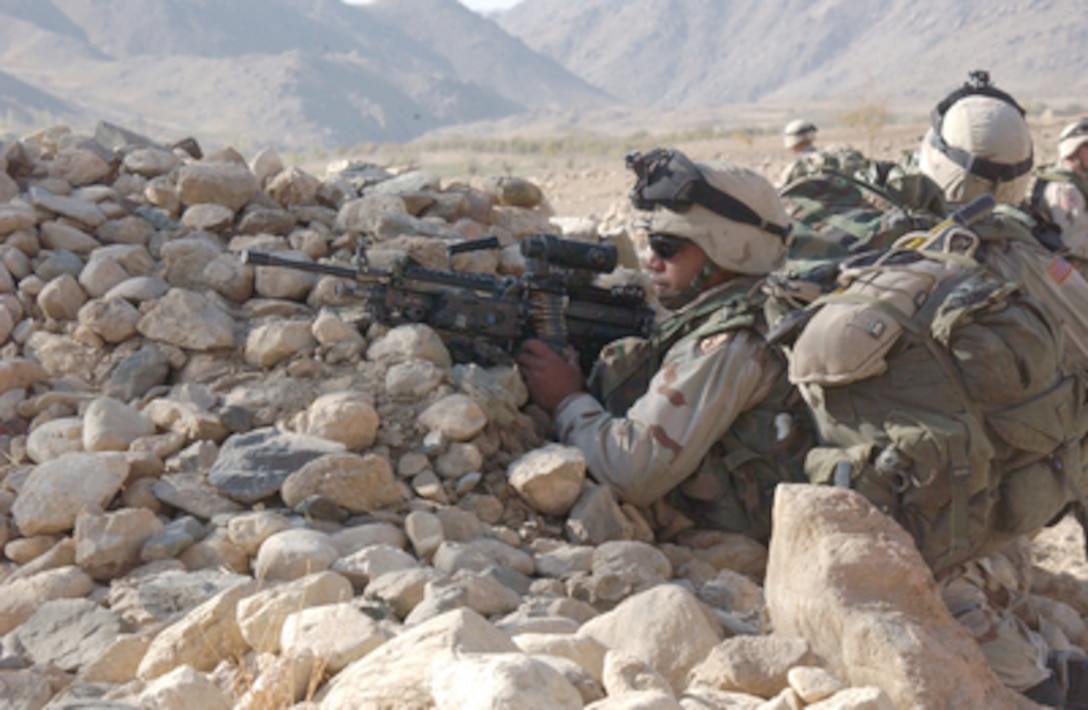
(1059, 270)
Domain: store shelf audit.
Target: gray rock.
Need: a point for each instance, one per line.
(59, 262)
(596, 517)
(192, 493)
(143, 599)
(69, 633)
(136, 374)
(254, 465)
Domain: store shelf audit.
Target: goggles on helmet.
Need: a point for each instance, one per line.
(667, 178)
(977, 84)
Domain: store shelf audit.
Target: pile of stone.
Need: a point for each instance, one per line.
(226, 487)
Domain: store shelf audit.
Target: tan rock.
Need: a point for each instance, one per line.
(203, 637)
(261, 616)
(889, 630)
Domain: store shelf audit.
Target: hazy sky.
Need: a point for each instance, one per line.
(481, 5)
(490, 4)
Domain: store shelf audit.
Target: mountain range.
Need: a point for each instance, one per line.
(298, 73)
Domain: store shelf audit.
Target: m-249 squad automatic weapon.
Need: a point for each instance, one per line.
(484, 317)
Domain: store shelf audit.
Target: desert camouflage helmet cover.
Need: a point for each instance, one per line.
(734, 246)
(1072, 137)
(797, 131)
(980, 143)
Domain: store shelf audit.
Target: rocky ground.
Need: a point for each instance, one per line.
(225, 487)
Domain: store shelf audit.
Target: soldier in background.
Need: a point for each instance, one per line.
(1060, 195)
(799, 137)
(696, 424)
(980, 143)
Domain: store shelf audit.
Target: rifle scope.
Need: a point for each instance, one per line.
(570, 253)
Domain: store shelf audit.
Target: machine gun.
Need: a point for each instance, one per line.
(484, 317)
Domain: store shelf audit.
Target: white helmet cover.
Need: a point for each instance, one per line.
(1072, 138)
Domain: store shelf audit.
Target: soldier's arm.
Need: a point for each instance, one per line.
(691, 402)
(1067, 209)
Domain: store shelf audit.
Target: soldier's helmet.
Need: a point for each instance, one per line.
(1072, 138)
(732, 212)
(978, 142)
(798, 131)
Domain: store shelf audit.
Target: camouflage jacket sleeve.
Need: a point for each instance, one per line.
(1067, 209)
(692, 400)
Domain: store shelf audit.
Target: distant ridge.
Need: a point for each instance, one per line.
(322, 74)
(675, 54)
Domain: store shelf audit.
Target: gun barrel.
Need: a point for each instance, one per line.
(259, 258)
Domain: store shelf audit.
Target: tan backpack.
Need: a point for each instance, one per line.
(942, 393)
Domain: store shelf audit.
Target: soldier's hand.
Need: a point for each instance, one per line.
(549, 377)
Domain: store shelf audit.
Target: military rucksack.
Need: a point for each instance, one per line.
(1012, 251)
(942, 393)
(837, 215)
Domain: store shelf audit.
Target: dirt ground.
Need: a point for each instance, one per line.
(582, 185)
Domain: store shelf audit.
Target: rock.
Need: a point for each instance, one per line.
(275, 342)
(587, 652)
(891, 630)
(360, 484)
(111, 425)
(58, 490)
(457, 417)
(184, 688)
(201, 638)
(665, 627)
(55, 438)
(373, 561)
(294, 553)
(254, 465)
(596, 518)
(337, 634)
(114, 320)
(225, 184)
(62, 298)
(413, 379)
(390, 675)
(346, 417)
(757, 665)
(108, 544)
(191, 492)
(813, 684)
(550, 478)
(630, 567)
(68, 633)
(410, 342)
(170, 321)
(480, 554)
(261, 616)
(22, 597)
(508, 680)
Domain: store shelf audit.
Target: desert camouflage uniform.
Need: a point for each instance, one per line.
(990, 596)
(798, 168)
(1068, 210)
(693, 416)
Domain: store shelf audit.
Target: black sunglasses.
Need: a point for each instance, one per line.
(666, 246)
